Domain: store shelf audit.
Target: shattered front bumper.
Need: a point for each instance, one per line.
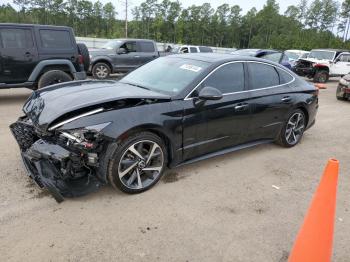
(42, 160)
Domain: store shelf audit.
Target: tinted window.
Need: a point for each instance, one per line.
(193, 49)
(147, 47)
(284, 76)
(228, 78)
(55, 39)
(205, 49)
(129, 46)
(16, 38)
(262, 75)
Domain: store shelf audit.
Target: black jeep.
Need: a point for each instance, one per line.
(35, 56)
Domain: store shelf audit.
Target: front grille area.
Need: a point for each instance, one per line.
(24, 133)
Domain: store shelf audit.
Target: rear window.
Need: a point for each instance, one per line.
(58, 39)
(147, 47)
(16, 38)
(205, 49)
(262, 76)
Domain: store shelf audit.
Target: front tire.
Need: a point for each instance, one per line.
(293, 130)
(338, 94)
(101, 71)
(321, 76)
(53, 77)
(138, 163)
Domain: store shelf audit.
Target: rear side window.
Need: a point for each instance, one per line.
(262, 76)
(147, 47)
(193, 49)
(284, 76)
(204, 49)
(16, 38)
(58, 39)
(228, 78)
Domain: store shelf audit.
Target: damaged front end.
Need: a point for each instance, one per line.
(65, 162)
(304, 68)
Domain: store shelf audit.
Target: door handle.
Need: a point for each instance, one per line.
(27, 54)
(137, 56)
(241, 107)
(286, 99)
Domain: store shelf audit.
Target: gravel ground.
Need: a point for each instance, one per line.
(222, 209)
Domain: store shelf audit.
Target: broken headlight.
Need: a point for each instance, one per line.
(85, 137)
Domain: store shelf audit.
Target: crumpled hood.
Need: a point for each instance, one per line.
(314, 60)
(48, 104)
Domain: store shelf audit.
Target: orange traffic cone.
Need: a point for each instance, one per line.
(320, 86)
(314, 241)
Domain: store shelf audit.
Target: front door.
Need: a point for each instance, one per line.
(129, 60)
(341, 66)
(19, 55)
(213, 125)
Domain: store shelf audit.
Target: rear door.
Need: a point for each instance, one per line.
(148, 51)
(18, 53)
(213, 125)
(271, 99)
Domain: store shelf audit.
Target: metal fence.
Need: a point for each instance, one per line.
(98, 42)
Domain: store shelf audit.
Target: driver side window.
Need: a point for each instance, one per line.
(344, 58)
(129, 47)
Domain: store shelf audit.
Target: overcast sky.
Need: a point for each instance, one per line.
(245, 5)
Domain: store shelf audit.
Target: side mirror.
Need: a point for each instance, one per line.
(210, 93)
(121, 51)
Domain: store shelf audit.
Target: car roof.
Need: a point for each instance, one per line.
(218, 58)
(33, 25)
(330, 49)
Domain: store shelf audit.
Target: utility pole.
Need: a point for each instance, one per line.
(126, 18)
(347, 30)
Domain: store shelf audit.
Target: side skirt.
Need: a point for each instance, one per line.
(226, 151)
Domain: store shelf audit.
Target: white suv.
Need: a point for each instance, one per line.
(323, 64)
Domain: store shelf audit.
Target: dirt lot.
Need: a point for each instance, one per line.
(223, 209)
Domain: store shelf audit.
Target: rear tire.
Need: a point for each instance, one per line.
(53, 77)
(83, 51)
(101, 71)
(293, 130)
(138, 163)
(321, 76)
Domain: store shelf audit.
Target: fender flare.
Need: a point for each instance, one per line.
(40, 66)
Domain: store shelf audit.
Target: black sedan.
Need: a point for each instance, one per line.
(76, 137)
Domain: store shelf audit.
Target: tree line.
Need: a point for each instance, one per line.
(307, 25)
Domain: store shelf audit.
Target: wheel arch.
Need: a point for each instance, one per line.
(152, 128)
(48, 65)
(306, 113)
(103, 60)
(320, 67)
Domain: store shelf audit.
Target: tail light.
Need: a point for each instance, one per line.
(80, 59)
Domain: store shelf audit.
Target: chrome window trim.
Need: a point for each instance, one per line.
(245, 91)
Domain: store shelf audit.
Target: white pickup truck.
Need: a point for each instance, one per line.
(323, 64)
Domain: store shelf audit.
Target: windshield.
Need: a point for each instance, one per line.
(322, 55)
(169, 75)
(113, 44)
(246, 52)
(292, 55)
